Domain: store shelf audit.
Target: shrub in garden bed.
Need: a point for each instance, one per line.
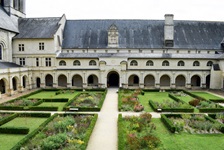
(170, 106)
(191, 123)
(128, 100)
(20, 102)
(87, 101)
(137, 133)
(68, 132)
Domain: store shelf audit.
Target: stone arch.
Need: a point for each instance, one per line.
(49, 80)
(149, 80)
(196, 81)
(208, 79)
(165, 80)
(3, 85)
(38, 82)
(25, 81)
(133, 80)
(92, 80)
(180, 81)
(77, 81)
(15, 83)
(113, 79)
(62, 80)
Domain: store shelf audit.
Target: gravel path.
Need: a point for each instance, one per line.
(104, 136)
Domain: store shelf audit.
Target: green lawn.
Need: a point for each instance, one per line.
(144, 100)
(51, 94)
(206, 95)
(60, 105)
(7, 141)
(158, 96)
(185, 141)
(186, 98)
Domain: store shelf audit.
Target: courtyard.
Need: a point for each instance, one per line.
(53, 115)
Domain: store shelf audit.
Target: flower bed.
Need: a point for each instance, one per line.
(70, 132)
(21, 102)
(91, 101)
(191, 123)
(128, 100)
(137, 133)
(4, 115)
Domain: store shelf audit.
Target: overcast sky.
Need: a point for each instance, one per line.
(210, 10)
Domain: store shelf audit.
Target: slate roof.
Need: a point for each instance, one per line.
(143, 34)
(6, 22)
(139, 55)
(5, 65)
(37, 28)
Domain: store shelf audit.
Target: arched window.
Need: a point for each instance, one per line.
(134, 63)
(180, 63)
(209, 63)
(149, 63)
(196, 63)
(76, 63)
(62, 63)
(1, 51)
(92, 63)
(165, 63)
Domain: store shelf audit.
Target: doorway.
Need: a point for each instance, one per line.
(113, 79)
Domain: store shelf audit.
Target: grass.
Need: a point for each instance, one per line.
(60, 105)
(51, 94)
(158, 96)
(185, 141)
(7, 141)
(144, 100)
(206, 95)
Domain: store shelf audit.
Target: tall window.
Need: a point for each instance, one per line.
(76, 63)
(41, 46)
(149, 63)
(1, 51)
(21, 47)
(62, 63)
(37, 62)
(180, 63)
(134, 63)
(196, 63)
(48, 62)
(92, 63)
(22, 61)
(165, 63)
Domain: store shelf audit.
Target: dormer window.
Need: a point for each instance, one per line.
(113, 36)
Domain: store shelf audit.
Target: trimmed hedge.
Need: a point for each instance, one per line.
(36, 108)
(194, 96)
(32, 134)
(214, 121)
(36, 115)
(90, 130)
(55, 100)
(14, 130)
(168, 123)
(211, 110)
(153, 105)
(217, 100)
(175, 98)
(121, 144)
(7, 119)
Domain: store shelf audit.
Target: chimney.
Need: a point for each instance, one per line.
(168, 31)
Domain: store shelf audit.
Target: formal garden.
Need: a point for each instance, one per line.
(189, 120)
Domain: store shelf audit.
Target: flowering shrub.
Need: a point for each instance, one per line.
(129, 100)
(139, 132)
